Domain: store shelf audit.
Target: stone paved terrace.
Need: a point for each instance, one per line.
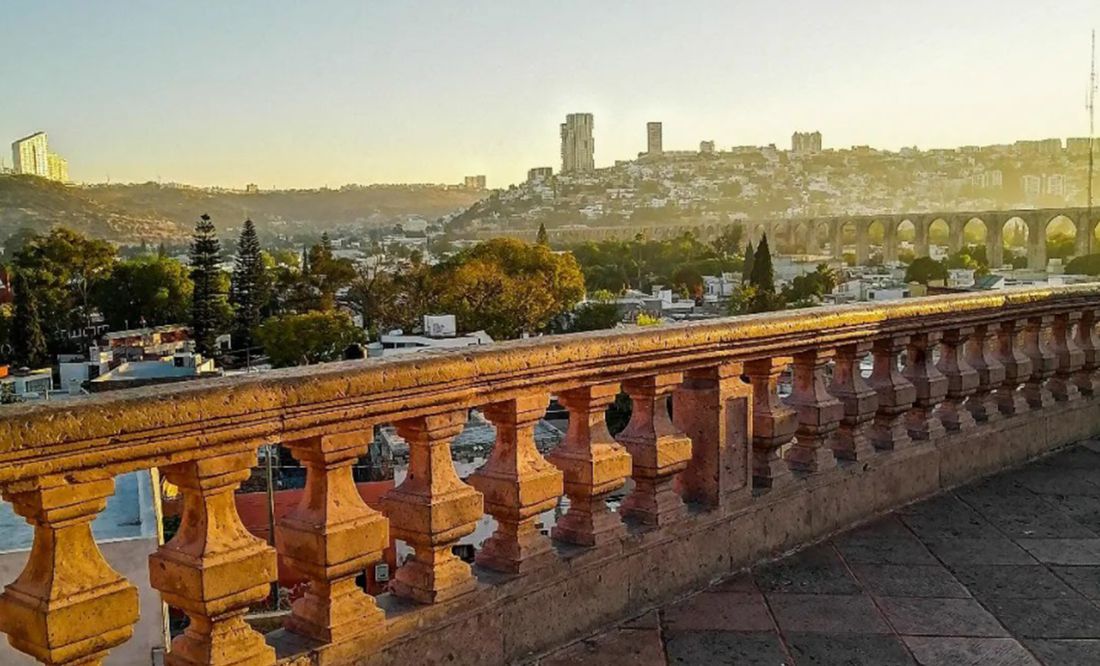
(1003, 572)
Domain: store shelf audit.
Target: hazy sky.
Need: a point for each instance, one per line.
(328, 92)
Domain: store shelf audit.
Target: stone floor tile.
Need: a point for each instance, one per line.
(1085, 580)
(907, 580)
(816, 570)
(647, 620)
(719, 611)
(826, 613)
(885, 551)
(614, 648)
(887, 527)
(1071, 552)
(1077, 457)
(741, 582)
(954, 651)
(947, 518)
(912, 616)
(1083, 510)
(1066, 652)
(1021, 582)
(723, 648)
(1055, 482)
(848, 650)
(964, 552)
(1047, 618)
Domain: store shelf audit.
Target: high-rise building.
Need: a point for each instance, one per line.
(578, 148)
(806, 143)
(475, 182)
(706, 147)
(58, 167)
(30, 155)
(654, 138)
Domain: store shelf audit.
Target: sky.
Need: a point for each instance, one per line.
(327, 92)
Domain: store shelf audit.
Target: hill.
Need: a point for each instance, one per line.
(153, 213)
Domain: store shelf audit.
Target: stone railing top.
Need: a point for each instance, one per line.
(142, 427)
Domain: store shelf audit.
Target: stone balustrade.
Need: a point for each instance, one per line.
(720, 467)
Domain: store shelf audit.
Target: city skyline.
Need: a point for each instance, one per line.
(376, 97)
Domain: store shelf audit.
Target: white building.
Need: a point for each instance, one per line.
(30, 155)
(578, 147)
(440, 332)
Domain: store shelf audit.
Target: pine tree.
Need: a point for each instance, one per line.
(543, 238)
(28, 341)
(248, 288)
(763, 276)
(305, 260)
(208, 300)
(746, 267)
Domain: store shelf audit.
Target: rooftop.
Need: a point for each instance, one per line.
(1005, 571)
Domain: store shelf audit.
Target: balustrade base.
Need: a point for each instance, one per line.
(810, 459)
(851, 446)
(588, 522)
(956, 416)
(515, 548)
(890, 434)
(440, 578)
(227, 641)
(924, 425)
(334, 617)
(1038, 397)
(1064, 390)
(653, 503)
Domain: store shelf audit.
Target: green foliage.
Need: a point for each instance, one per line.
(322, 276)
(972, 257)
(249, 288)
(507, 287)
(5, 332)
(312, 337)
(594, 316)
(1060, 246)
(28, 341)
(208, 304)
(63, 268)
(1086, 265)
(728, 241)
(809, 289)
(641, 263)
(542, 238)
(924, 270)
(763, 275)
(747, 265)
(149, 291)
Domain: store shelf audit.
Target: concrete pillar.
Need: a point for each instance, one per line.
(890, 240)
(835, 230)
(1081, 240)
(921, 241)
(994, 243)
(1036, 244)
(863, 243)
(955, 234)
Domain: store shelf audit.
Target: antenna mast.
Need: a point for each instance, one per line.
(1091, 106)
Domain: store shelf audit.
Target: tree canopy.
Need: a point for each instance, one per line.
(311, 337)
(146, 291)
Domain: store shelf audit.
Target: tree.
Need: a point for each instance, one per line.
(63, 268)
(311, 337)
(507, 287)
(747, 265)
(249, 288)
(762, 275)
(208, 303)
(147, 291)
(925, 270)
(729, 239)
(542, 238)
(599, 312)
(28, 341)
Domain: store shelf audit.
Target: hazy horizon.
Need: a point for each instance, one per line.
(338, 92)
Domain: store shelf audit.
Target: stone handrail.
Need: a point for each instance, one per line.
(969, 360)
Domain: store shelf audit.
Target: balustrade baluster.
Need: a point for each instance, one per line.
(1043, 363)
(923, 419)
(895, 395)
(331, 537)
(518, 484)
(818, 413)
(658, 450)
(962, 380)
(431, 510)
(1009, 396)
(852, 441)
(213, 569)
(593, 465)
(773, 423)
(1087, 378)
(713, 406)
(1068, 357)
(68, 606)
(991, 375)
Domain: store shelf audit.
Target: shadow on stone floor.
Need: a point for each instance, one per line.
(1003, 572)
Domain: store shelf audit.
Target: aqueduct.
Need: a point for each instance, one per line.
(832, 233)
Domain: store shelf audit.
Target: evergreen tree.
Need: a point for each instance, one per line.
(162, 251)
(763, 276)
(543, 238)
(248, 289)
(208, 300)
(28, 341)
(746, 267)
(305, 260)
